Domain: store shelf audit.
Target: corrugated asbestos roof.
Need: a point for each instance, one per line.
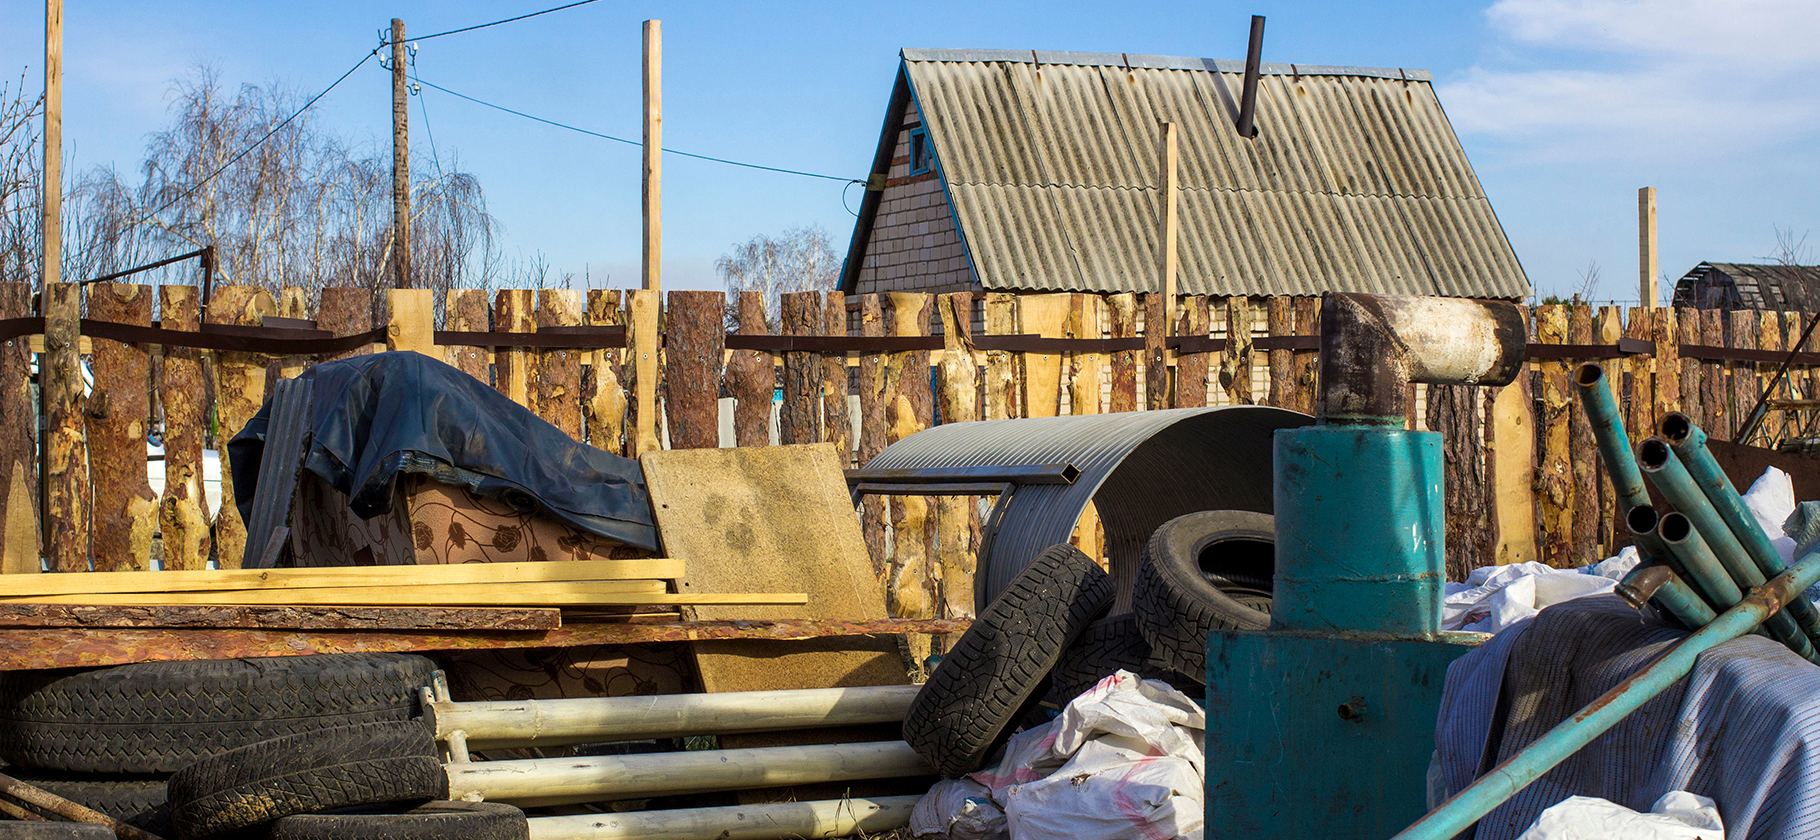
(1355, 181)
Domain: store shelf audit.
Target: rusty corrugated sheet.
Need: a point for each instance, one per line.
(1355, 182)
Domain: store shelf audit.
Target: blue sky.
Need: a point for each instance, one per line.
(1564, 106)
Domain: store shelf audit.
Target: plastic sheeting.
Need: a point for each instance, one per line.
(1678, 815)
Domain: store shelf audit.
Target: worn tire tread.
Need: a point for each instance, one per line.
(432, 821)
(1176, 606)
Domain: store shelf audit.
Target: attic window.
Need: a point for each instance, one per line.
(919, 151)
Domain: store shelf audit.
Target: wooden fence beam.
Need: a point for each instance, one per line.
(465, 310)
(344, 310)
(1307, 362)
(1235, 365)
(1554, 480)
(1741, 333)
(66, 475)
(910, 587)
(956, 516)
(1608, 326)
(1714, 392)
(1159, 319)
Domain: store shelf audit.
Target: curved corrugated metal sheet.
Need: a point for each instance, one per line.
(1140, 469)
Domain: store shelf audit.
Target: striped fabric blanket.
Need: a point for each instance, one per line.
(1743, 728)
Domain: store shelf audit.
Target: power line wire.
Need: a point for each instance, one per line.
(632, 142)
(497, 22)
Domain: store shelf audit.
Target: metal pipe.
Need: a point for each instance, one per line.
(1687, 544)
(543, 723)
(1374, 346)
(1518, 771)
(1608, 430)
(1689, 443)
(1248, 97)
(566, 781)
(1671, 477)
(822, 819)
(1654, 579)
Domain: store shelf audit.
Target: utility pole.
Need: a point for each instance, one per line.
(1646, 245)
(66, 485)
(401, 163)
(654, 166)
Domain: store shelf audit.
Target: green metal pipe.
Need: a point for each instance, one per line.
(1686, 544)
(1642, 521)
(1654, 579)
(1608, 430)
(1518, 771)
(1689, 443)
(1671, 477)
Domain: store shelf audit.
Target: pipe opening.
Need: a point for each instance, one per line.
(1589, 374)
(1675, 528)
(1652, 454)
(1675, 426)
(1641, 519)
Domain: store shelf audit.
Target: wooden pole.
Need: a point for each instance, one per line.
(66, 484)
(1646, 246)
(654, 167)
(875, 816)
(74, 812)
(401, 163)
(1171, 197)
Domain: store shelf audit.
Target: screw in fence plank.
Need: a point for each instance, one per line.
(1608, 326)
(871, 428)
(1453, 411)
(644, 343)
(1510, 438)
(1281, 322)
(1554, 480)
(1667, 360)
(1769, 337)
(799, 415)
(750, 377)
(1002, 381)
(1191, 368)
(344, 310)
(1741, 333)
(465, 310)
(1587, 535)
(910, 590)
(1157, 323)
(957, 516)
(125, 511)
(1687, 331)
(694, 345)
(1639, 397)
(555, 374)
(1715, 392)
(1044, 315)
(1084, 368)
(66, 474)
(239, 391)
(1122, 311)
(606, 398)
(1235, 364)
(19, 547)
(183, 518)
(513, 312)
(1307, 362)
(837, 419)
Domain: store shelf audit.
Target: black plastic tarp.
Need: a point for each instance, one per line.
(373, 417)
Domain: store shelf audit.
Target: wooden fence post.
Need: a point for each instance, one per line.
(1158, 319)
(1122, 308)
(872, 398)
(183, 516)
(837, 421)
(1741, 334)
(349, 311)
(239, 391)
(606, 388)
(1235, 366)
(1555, 496)
(1044, 315)
(643, 322)
(125, 511)
(956, 515)
(1191, 368)
(1084, 368)
(555, 374)
(1587, 537)
(1002, 390)
(695, 345)
(1793, 323)
(66, 477)
(1453, 411)
(513, 312)
(1769, 337)
(1714, 392)
(1307, 362)
(465, 310)
(1687, 331)
(410, 324)
(750, 377)
(799, 416)
(19, 548)
(1281, 323)
(1608, 326)
(1511, 439)
(909, 591)
(1667, 360)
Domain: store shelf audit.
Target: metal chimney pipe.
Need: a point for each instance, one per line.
(1254, 59)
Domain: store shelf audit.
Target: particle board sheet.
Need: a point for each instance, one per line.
(772, 517)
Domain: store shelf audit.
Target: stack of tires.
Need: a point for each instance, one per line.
(181, 748)
(1049, 636)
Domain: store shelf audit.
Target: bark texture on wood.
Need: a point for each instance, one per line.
(1511, 437)
(606, 378)
(19, 548)
(1742, 334)
(1588, 512)
(1280, 321)
(1003, 387)
(1158, 394)
(692, 361)
(1191, 368)
(349, 311)
(1713, 388)
(1453, 411)
(644, 337)
(1667, 360)
(1640, 390)
(183, 518)
(514, 312)
(239, 391)
(1769, 337)
(1084, 381)
(1122, 311)
(66, 478)
(751, 378)
(556, 374)
(1235, 365)
(837, 421)
(957, 515)
(799, 415)
(1307, 362)
(1687, 331)
(910, 590)
(465, 310)
(872, 396)
(1044, 315)
(119, 411)
(1608, 328)
(1554, 480)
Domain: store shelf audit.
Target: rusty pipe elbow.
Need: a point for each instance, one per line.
(1374, 346)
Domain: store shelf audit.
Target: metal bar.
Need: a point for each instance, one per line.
(147, 267)
(1248, 97)
(1033, 474)
(1689, 443)
(1654, 579)
(861, 817)
(1517, 772)
(979, 488)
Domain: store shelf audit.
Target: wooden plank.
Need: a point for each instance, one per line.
(695, 341)
(412, 323)
(910, 587)
(1741, 332)
(1122, 322)
(183, 518)
(239, 391)
(642, 339)
(1639, 397)
(553, 594)
(872, 398)
(465, 310)
(1769, 337)
(1715, 393)
(1191, 368)
(19, 549)
(280, 618)
(1687, 331)
(1608, 327)
(1799, 383)
(1085, 368)
(799, 414)
(1159, 392)
(1453, 411)
(1587, 537)
(1554, 477)
(344, 310)
(1511, 441)
(750, 377)
(1280, 321)
(1002, 390)
(1235, 365)
(606, 384)
(1307, 362)
(513, 312)
(292, 303)
(328, 577)
(125, 513)
(1664, 333)
(1044, 315)
(957, 516)
(555, 375)
(66, 477)
(837, 420)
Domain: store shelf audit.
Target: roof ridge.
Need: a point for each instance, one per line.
(1137, 61)
(1372, 194)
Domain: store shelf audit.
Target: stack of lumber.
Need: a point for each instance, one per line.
(585, 583)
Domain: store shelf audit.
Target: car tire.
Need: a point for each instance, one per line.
(430, 821)
(1202, 572)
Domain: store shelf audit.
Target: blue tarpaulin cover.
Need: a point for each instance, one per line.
(375, 416)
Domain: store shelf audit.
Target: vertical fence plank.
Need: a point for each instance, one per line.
(1587, 536)
(956, 515)
(1453, 411)
(239, 391)
(513, 312)
(1191, 368)
(1044, 315)
(1281, 324)
(1307, 362)
(750, 377)
(837, 421)
(292, 303)
(555, 374)
(643, 322)
(1639, 397)
(1511, 439)
(909, 592)
(411, 321)
(606, 385)
(1608, 327)
(1122, 309)
(1235, 366)
(1769, 337)
(125, 513)
(183, 518)
(1741, 333)
(66, 479)
(1157, 323)
(1687, 331)
(1555, 496)
(19, 550)
(1002, 388)
(799, 417)
(1714, 391)
(695, 338)
(872, 398)
(1792, 324)
(1667, 360)
(349, 311)
(1085, 368)
(465, 310)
